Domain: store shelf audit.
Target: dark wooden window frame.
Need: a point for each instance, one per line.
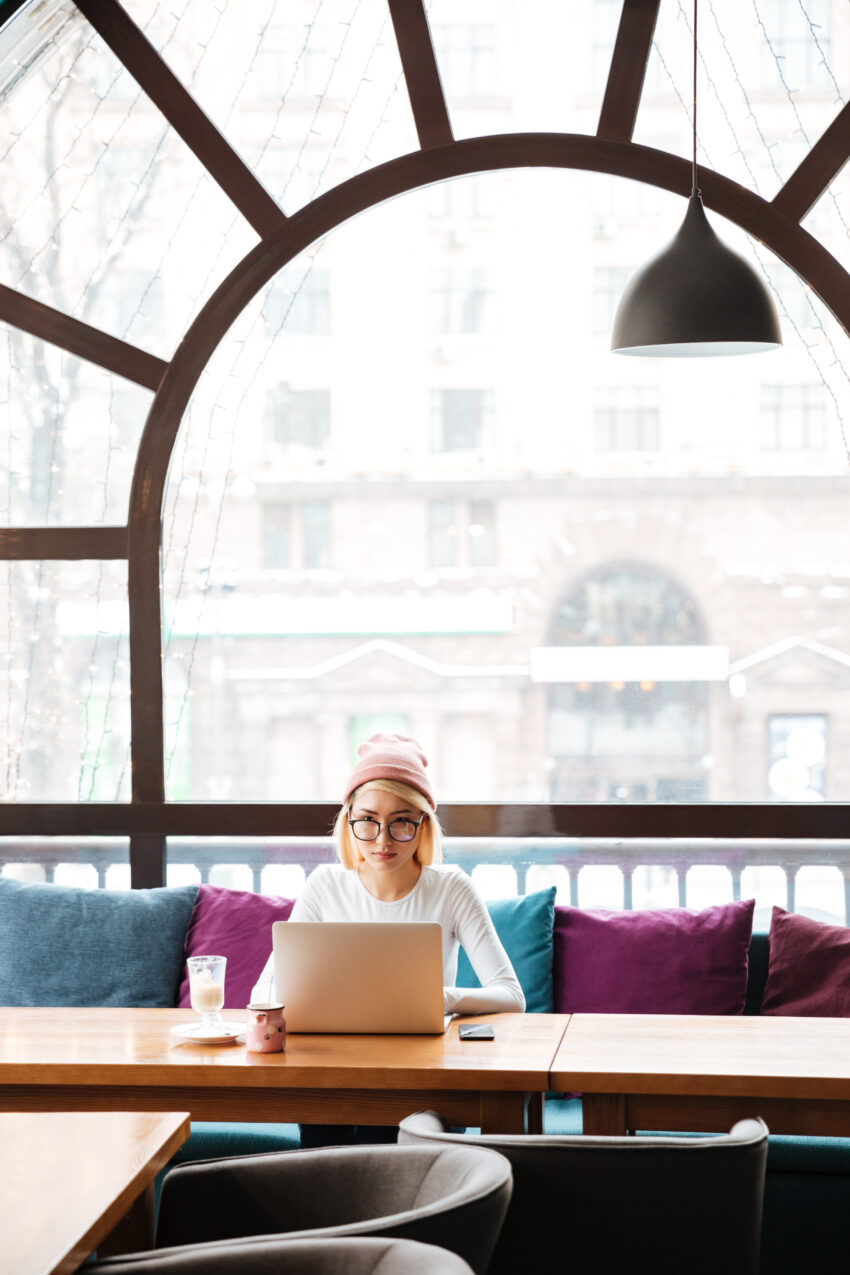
(148, 819)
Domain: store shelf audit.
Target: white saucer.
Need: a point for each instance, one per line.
(194, 1032)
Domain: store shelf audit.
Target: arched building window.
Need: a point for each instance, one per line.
(624, 723)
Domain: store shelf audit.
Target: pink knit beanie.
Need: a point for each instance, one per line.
(391, 757)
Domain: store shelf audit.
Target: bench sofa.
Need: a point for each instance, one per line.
(62, 945)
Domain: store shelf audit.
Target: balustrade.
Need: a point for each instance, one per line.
(204, 859)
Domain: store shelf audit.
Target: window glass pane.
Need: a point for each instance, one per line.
(459, 301)
(611, 625)
(299, 303)
(793, 416)
(298, 420)
(276, 536)
(443, 547)
(609, 284)
(461, 419)
(626, 418)
(108, 216)
(300, 73)
(466, 55)
(66, 702)
(316, 518)
(790, 57)
(767, 87)
(797, 757)
(481, 531)
(68, 436)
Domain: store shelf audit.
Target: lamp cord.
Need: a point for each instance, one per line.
(694, 186)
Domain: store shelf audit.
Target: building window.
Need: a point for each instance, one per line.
(462, 419)
(481, 529)
(793, 417)
(789, 53)
(459, 301)
(609, 283)
(626, 606)
(466, 56)
(626, 419)
(298, 418)
(461, 533)
(797, 756)
(277, 546)
(442, 533)
(297, 535)
(316, 534)
(661, 727)
(299, 302)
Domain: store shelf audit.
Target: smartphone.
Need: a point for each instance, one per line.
(476, 1031)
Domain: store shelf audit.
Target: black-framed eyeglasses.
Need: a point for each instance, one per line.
(399, 829)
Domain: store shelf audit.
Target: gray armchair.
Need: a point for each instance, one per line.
(624, 1205)
(352, 1256)
(452, 1197)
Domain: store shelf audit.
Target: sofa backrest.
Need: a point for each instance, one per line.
(757, 958)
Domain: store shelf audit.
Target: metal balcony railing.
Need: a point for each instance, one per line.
(204, 858)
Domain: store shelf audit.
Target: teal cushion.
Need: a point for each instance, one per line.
(562, 1116)
(211, 1139)
(60, 945)
(525, 926)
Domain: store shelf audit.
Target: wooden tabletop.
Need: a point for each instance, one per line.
(689, 1073)
(684, 1054)
(128, 1059)
(114, 1047)
(70, 1177)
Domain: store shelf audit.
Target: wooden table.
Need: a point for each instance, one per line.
(126, 1059)
(77, 1181)
(681, 1072)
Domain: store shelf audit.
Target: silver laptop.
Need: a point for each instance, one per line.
(360, 976)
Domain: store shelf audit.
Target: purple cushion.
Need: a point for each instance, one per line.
(236, 924)
(671, 961)
(809, 968)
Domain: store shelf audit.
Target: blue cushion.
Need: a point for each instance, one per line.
(525, 926)
(60, 945)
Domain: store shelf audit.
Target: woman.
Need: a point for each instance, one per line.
(390, 845)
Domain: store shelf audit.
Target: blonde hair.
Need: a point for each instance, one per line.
(430, 847)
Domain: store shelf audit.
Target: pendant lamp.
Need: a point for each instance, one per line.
(697, 297)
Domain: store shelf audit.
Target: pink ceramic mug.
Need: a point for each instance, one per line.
(266, 1029)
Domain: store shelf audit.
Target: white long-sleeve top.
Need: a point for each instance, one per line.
(445, 895)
